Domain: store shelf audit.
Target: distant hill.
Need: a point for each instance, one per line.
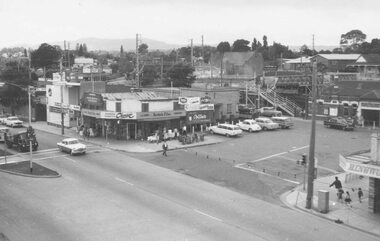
(114, 44)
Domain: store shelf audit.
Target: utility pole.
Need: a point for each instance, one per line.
(162, 68)
(137, 61)
(310, 178)
(191, 53)
(30, 125)
(62, 113)
(203, 52)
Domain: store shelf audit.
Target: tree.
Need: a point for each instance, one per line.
(121, 50)
(143, 48)
(241, 45)
(85, 48)
(265, 41)
(304, 50)
(222, 48)
(80, 50)
(181, 75)
(46, 56)
(254, 44)
(352, 39)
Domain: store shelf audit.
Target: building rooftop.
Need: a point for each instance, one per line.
(339, 56)
(143, 95)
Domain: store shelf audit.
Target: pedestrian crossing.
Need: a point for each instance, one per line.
(359, 158)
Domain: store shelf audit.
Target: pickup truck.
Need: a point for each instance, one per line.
(339, 123)
(21, 141)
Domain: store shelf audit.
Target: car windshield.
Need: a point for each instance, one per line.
(73, 142)
(12, 118)
(235, 128)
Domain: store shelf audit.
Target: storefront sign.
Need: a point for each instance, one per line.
(74, 107)
(189, 100)
(359, 168)
(117, 115)
(160, 114)
(206, 106)
(91, 113)
(93, 99)
(54, 109)
(370, 105)
(205, 100)
(197, 117)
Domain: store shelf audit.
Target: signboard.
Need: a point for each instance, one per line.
(370, 105)
(160, 114)
(199, 117)
(117, 115)
(55, 109)
(359, 168)
(74, 107)
(91, 113)
(189, 100)
(92, 99)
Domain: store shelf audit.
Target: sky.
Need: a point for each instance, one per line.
(289, 22)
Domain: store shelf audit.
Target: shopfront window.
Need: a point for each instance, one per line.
(145, 107)
(229, 108)
(118, 106)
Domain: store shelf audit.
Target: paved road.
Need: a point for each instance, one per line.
(107, 195)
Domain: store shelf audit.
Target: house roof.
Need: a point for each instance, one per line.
(305, 60)
(238, 58)
(144, 95)
(338, 56)
(362, 89)
(369, 59)
(372, 95)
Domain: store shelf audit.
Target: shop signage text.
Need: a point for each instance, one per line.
(196, 117)
(370, 105)
(159, 114)
(359, 168)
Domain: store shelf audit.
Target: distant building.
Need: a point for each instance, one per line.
(299, 64)
(368, 66)
(243, 64)
(335, 62)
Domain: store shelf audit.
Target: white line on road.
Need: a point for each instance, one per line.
(296, 149)
(264, 173)
(124, 181)
(207, 215)
(279, 154)
(69, 159)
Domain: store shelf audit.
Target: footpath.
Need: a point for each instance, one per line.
(356, 215)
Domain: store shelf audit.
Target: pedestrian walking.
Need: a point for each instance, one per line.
(164, 148)
(347, 199)
(360, 194)
(338, 185)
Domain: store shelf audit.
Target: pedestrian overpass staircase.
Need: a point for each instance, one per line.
(276, 99)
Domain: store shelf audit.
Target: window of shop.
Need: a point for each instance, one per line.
(177, 106)
(118, 106)
(229, 108)
(145, 107)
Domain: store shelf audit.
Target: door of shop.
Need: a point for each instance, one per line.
(131, 131)
(370, 117)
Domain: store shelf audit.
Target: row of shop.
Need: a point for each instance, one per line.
(140, 125)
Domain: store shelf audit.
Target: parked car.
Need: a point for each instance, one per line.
(284, 121)
(267, 124)
(249, 125)
(13, 121)
(269, 112)
(226, 129)
(339, 123)
(72, 146)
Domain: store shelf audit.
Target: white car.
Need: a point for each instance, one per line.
(249, 125)
(3, 117)
(72, 146)
(267, 124)
(226, 130)
(13, 121)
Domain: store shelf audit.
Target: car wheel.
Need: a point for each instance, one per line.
(264, 128)
(19, 149)
(71, 152)
(250, 130)
(211, 132)
(60, 149)
(227, 135)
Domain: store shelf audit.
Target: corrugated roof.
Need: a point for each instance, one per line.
(339, 56)
(305, 60)
(370, 59)
(144, 95)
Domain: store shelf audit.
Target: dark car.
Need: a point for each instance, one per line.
(346, 124)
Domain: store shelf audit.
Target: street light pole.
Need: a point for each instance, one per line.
(30, 137)
(310, 178)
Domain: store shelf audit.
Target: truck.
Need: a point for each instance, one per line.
(21, 140)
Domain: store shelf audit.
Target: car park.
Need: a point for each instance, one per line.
(226, 130)
(267, 124)
(339, 123)
(284, 121)
(249, 125)
(72, 146)
(13, 121)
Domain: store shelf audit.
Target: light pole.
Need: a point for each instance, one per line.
(29, 127)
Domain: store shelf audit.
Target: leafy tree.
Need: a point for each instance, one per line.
(181, 75)
(80, 50)
(352, 39)
(85, 48)
(240, 45)
(222, 48)
(46, 56)
(278, 50)
(265, 41)
(148, 76)
(143, 48)
(254, 44)
(304, 50)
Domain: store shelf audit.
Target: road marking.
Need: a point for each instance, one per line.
(264, 158)
(69, 159)
(124, 181)
(207, 215)
(264, 173)
(296, 149)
